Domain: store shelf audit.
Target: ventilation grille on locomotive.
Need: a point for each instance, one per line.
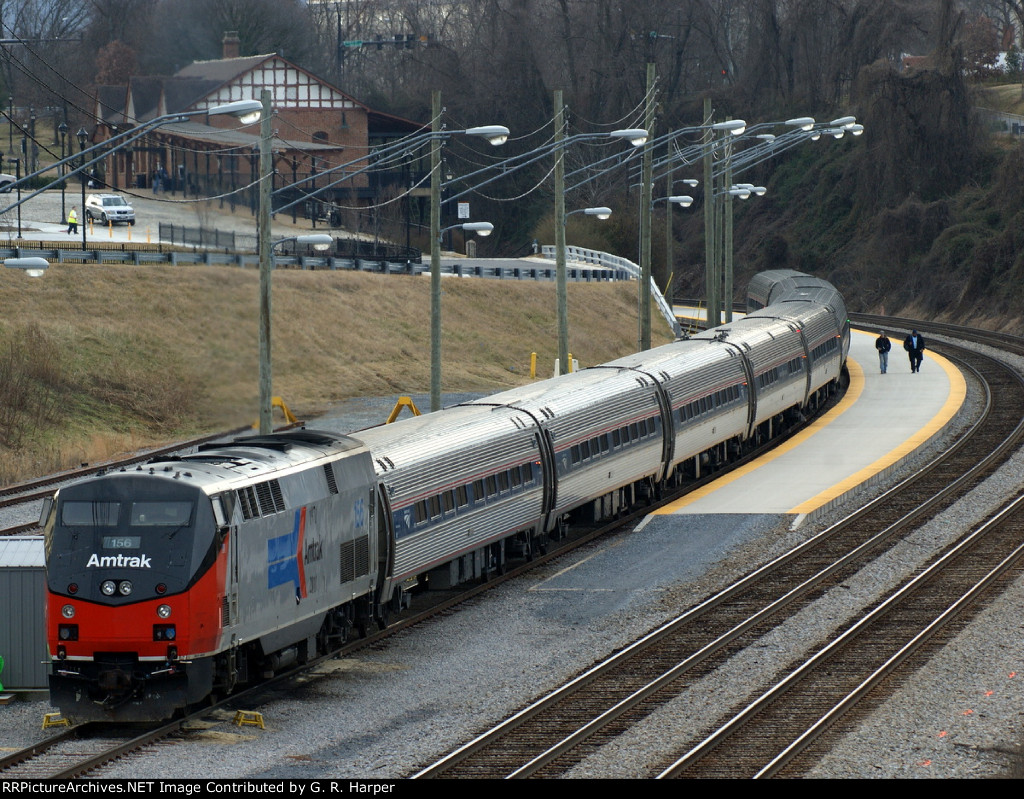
(355, 558)
(263, 499)
(332, 484)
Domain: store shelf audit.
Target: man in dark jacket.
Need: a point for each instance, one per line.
(883, 345)
(914, 345)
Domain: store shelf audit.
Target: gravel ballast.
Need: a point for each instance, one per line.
(390, 710)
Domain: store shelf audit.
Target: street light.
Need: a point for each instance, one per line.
(637, 137)
(496, 135)
(34, 267)
(743, 191)
(716, 177)
(124, 139)
(62, 128)
(17, 183)
(482, 229)
(82, 135)
(601, 212)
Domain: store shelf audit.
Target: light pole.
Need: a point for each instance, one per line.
(319, 241)
(718, 231)
(482, 229)
(644, 337)
(62, 128)
(17, 181)
(263, 247)
(246, 110)
(561, 276)
(743, 191)
(670, 237)
(495, 134)
(82, 135)
(636, 137)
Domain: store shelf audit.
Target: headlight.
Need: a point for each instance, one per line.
(125, 587)
(68, 611)
(108, 588)
(163, 611)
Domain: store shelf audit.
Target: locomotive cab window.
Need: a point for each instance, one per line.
(160, 514)
(89, 514)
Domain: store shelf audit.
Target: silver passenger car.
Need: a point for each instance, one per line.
(777, 358)
(456, 483)
(706, 387)
(605, 428)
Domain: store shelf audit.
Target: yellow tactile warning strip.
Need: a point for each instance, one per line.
(957, 393)
(953, 403)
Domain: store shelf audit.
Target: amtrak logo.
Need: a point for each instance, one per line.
(314, 551)
(284, 561)
(119, 562)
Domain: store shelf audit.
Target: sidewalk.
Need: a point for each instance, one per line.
(41, 218)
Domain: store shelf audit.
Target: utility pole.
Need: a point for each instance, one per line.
(710, 278)
(263, 245)
(435, 251)
(645, 219)
(561, 279)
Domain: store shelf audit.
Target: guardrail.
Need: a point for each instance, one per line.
(247, 260)
(617, 263)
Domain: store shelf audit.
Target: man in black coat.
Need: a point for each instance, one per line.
(883, 345)
(914, 345)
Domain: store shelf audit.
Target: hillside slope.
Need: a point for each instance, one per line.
(98, 359)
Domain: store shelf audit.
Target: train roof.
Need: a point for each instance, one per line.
(245, 459)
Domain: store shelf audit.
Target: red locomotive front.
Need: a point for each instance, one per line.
(135, 579)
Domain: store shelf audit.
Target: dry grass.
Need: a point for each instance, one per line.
(1007, 97)
(154, 353)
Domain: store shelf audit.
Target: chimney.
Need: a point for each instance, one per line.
(231, 44)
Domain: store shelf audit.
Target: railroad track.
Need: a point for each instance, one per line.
(78, 750)
(626, 715)
(35, 490)
(86, 748)
(562, 729)
(768, 736)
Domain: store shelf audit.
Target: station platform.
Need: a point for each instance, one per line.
(879, 423)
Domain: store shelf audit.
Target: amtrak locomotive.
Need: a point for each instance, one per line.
(179, 580)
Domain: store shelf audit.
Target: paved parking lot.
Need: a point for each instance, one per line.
(41, 218)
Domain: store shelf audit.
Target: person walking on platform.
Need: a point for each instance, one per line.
(883, 345)
(914, 345)
(73, 220)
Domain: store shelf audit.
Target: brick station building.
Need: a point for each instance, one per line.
(316, 126)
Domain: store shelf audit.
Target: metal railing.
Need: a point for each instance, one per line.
(618, 264)
(247, 260)
(206, 237)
